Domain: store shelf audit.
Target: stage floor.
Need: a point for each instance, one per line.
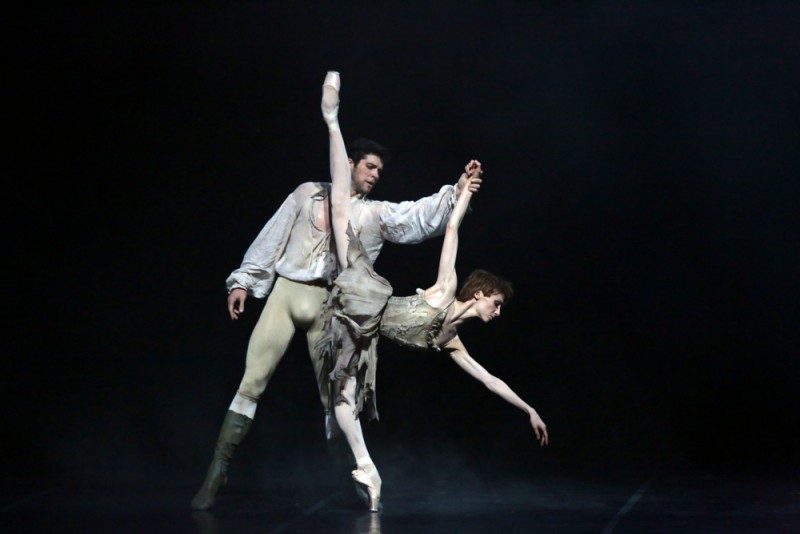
(554, 504)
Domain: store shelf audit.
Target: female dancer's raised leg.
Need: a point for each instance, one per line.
(365, 474)
(340, 167)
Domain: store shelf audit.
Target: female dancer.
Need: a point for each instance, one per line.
(361, 308)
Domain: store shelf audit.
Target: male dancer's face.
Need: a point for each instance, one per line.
(365, 174)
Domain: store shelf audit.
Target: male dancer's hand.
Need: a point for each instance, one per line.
(236, 299)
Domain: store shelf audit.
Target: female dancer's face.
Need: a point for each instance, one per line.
(365, 174)
(488, 306)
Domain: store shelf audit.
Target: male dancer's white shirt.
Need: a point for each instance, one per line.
(296, 241)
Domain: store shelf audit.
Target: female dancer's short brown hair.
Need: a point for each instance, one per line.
(489, 284)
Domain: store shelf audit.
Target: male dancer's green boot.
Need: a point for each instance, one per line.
(234, 429)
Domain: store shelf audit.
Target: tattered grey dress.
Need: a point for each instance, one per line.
(361, 309)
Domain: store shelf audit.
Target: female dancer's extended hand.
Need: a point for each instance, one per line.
(539, 428)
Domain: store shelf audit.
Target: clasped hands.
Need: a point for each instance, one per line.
(471, 178)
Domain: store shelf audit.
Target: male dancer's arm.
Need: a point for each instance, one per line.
(256, 274)
(411, 222)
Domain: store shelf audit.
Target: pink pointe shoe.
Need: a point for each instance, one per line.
(330, 97)
(366, 475)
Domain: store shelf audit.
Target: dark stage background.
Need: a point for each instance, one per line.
(642, 163)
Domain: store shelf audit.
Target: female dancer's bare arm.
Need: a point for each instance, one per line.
(460, 355)
(443, 291)
(340, 169)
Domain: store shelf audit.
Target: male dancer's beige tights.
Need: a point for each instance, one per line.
(291, 305)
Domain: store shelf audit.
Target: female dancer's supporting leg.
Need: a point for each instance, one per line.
(365, 474)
